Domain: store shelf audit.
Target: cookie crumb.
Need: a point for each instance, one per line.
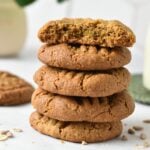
(143, 136)
(146, 121)
(131, 131)
(137, 128)
(62, 141)
(33, 142)
(84, 143)
(17, 130)
(124, 138)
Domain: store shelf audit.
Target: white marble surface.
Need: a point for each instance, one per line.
(26, 63)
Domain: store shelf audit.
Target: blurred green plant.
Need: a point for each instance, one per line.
(23, 3)
(60, 1)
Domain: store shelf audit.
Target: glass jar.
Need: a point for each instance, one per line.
(146, 71)
(12, 28)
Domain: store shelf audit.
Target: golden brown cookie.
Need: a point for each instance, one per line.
(106, 33)
(78, 83)
(65, 108)
(14, 90)
(75, 131)
(82, 57)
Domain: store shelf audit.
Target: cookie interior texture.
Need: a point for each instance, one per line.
(75, 131)
(83, 57)
(87, 31)
(103, 109)
(78, 83)
(14, 90)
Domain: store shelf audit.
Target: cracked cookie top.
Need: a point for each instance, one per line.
(106, 33)
(79, 83)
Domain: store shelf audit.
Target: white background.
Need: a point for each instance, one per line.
(134, 13)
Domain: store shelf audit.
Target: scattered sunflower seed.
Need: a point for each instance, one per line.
(9, 134)
(6, 134)
(3, 137)
(131, 131)
(124, 138)
(17, 130)
(146, 144)
(125, 124)
(84, 143)
(143, 136)
(146, 121)
(4, 131)
(137, 128)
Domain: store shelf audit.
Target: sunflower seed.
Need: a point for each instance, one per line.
(146, 121)
(3, 137)
(4, 131)
(17, 130)
(131, 131)
(124, 138)
(142, 136)
(137, 128)
(9, 134)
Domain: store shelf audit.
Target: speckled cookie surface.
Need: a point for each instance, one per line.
(14, 90)
(75, 131)
(83, 57)
(102, 109)
(87, 31)
(78, 83)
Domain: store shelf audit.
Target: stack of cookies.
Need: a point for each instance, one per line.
(82, 92)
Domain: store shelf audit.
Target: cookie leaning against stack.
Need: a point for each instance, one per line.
(84, 71)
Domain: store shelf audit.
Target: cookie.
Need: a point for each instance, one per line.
(106, 33)
(75, 131)
(78, 83)
(82, 57)
(14, 90)
(65, 108)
